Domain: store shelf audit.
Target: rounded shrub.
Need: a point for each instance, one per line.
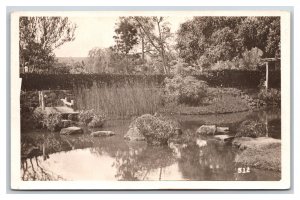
(271, 96)
(52, 121)
(91, 118)
(156, 130)
(185, 90)
(251, 128)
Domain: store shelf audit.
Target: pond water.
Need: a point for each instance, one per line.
(83, 157)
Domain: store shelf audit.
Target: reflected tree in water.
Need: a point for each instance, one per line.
(137, 163)
(32, 156)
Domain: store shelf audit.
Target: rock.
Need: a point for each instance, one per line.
(222, 129)
(176, 148)
(134, 134)
(71, 131)
(66, 123)
(207, 130)
(201, 143)
(178, 131)
(224, 138)
(102, 133)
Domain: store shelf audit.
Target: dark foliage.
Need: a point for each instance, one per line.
(222, 78)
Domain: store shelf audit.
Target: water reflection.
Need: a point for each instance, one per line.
(50, 156)
(213, 161)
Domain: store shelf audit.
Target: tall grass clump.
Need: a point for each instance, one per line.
(119, 101)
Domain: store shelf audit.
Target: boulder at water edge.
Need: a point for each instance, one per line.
(156, 130)
(134, 134)
(207, 129)
(71, 131)
(102, 133)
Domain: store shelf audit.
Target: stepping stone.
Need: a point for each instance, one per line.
(224, 138)
(71, 131)
(102, 133)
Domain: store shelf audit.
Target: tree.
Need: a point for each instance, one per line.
(205, 41)
(209, 37)
(125, 38)
(263, 33)
(39, 36)
(156, 30)
(99, 60)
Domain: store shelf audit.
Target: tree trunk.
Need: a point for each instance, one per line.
(162, 48)
(143, 51)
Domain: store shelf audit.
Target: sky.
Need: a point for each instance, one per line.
(98, 32)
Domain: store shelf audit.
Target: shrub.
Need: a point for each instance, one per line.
(38, 117)
(52, 121)
(271, 96)
(91, 119)
(221, 65)
(183, 69)
(185, 90)
(157, 130)
(251, 128)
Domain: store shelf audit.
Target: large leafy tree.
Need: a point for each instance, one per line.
(263, 33)
(213, 37)
(39, 36)
(204, 41)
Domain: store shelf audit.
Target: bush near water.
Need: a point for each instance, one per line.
(91, 118)
(251, 128)
(52, 121)
(156, 129)
(271, 96)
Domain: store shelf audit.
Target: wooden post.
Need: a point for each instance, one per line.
(41, 100)
(267, 75)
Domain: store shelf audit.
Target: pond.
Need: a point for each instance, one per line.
(83, 157)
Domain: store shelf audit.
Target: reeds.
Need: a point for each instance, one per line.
(120, 101)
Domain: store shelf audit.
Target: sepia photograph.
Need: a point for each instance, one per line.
(150, 100)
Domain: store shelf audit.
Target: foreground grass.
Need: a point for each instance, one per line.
(261, 153)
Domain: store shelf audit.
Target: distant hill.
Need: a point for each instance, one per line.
(72, 60)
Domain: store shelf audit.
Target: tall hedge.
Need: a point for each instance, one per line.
(222, 78)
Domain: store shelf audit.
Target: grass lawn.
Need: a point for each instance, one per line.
(261, 153)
